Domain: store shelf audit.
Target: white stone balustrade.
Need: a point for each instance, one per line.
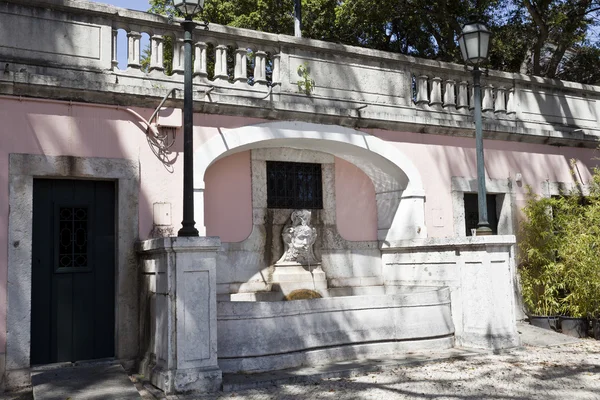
(221, 63)
(200, 60)
(488, 98)
(463, 96)
(260, 59)
(241, 63)
(500, 101)
(178, 56)
(422, 98)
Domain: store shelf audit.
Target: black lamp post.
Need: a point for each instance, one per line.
(474, 42)
(189, 8)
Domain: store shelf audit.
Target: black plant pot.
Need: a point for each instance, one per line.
(576, 327)
(596, 328)
(545, 322)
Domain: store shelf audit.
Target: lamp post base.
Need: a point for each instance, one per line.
(484, 230)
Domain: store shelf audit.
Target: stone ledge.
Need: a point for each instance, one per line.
(445, 243)
(177, 244)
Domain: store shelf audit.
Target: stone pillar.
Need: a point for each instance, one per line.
(114, 61)
(488, 98)
(200, 60)
(178, 56)
(156, 57)
(422, 98)
(221, 63)
(463, 97)
(436, 92)
(133, 50)
(260, 63)
(182, 355)
(276, 77)
(449, 94)
(241, 61)
(500, 102)
(510, 103)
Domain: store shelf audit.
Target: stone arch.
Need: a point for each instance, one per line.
(399, 190)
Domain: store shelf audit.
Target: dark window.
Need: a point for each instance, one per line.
(472, 212)
(294, 185)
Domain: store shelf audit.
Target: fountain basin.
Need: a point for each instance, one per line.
(255, 336)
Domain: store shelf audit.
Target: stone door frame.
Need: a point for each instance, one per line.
(23, 168)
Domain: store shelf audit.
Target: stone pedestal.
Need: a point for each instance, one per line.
(290, 276)
(182, 347)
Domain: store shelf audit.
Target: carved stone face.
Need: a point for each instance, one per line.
(298, 239)
(302, 238)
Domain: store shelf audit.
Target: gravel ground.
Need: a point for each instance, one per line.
(569, 372)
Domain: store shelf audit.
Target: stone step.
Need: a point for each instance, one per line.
(85, 380)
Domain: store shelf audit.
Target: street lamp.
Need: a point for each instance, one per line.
(189, 8)
(474, 42)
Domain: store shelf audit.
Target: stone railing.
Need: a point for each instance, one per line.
(72, 45)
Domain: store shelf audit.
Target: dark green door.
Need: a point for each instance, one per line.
(73, 266)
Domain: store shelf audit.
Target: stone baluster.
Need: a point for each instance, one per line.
(276, 77)
(510, 103)
(260, 63)
(221, 63)
(133, 50)
(500, 102)
(114, 61)
(487, 103)
(422, 98)
(463, 95)
(178, 56)
(241, 63)
(435, 98)
(450, 94)
(200, 60)
(156, 56)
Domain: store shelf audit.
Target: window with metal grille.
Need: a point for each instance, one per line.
(294, 185)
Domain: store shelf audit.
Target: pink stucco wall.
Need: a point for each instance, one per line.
(355, 206)
(228, 198)
(439, 158)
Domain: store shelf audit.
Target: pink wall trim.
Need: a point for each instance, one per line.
(228, 198)
(355, 205)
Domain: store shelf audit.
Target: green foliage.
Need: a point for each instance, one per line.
(305, 84)
(560, 253)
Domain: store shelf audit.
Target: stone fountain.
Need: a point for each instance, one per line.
(298, 268)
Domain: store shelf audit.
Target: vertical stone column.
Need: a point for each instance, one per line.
(500, 102)
(510, 103)
(133, 50)
(488, 98)
(178, 56)
(449, 93)
(200, 60)
(260, 63)
(156, 58)
(241, 65)
(463, 96)
(114, 62)
(221, 63)
(185, 317)
(276, 78)
(422, 98)
(436, 92)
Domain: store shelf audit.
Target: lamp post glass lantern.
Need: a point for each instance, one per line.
(189, 8)
(474, 43)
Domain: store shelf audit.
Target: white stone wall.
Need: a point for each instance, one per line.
(480, 272)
